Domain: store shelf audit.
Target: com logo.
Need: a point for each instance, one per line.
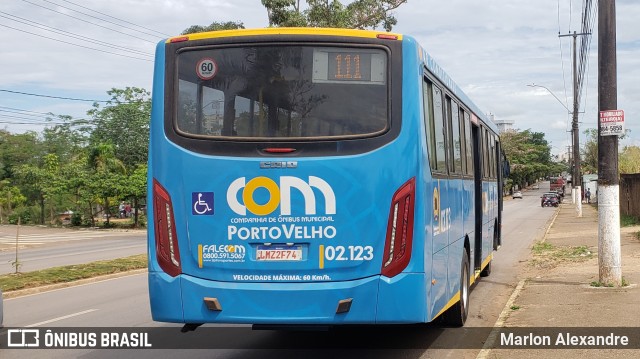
(278, 195)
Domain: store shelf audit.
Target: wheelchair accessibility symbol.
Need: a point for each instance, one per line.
(202, 203)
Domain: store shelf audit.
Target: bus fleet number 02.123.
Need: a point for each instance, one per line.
(350, 253)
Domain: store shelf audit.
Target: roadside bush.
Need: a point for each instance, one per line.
(23, 213)
(76, 219)
(142, 220)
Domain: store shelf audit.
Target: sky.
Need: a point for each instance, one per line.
(492, 49)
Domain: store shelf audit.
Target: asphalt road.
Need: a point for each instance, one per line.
(40, 248)
(123, 302)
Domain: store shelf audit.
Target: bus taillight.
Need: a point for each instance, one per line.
(167, 251)
(397, 247)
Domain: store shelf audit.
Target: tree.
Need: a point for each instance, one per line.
(214, 26)
(359, 14)
(529, 155)
(107, 176)
(135, 187)
(629, 160)
(78, 184)
(10, 197)
(123, 123)
(589, 160)
(17, 149)
(67, 139)
(43, 181)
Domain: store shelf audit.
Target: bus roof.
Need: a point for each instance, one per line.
(288, 31)
(439, 72)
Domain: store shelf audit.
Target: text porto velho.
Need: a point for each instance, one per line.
(284, 231)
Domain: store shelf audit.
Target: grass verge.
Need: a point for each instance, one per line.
(546, 255)
(628, 221)
(9, 282)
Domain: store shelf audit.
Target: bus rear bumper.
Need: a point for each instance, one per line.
(373, 300)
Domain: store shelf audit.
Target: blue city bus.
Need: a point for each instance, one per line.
(309, 176)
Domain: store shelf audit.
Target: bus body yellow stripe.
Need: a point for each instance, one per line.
(199, 255)
(455, 299)
(287, 31)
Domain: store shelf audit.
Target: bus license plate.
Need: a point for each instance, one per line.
(279, 253)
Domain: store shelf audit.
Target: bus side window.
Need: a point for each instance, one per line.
(439, 130)
(488, 154)
(463, 143)
(454, 122)
(427, 103)
(469, 147)
(434, 124)
(485, 153)
(493, 157)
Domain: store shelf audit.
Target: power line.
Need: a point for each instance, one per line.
(113, 17)
(70, 34)
(588, 21)
(89, 22)
(23, 112)
(49, 96)
(11, 119)
(33, 120)
(38, 115)
(564, 79)
(71, 43)
(97, 18)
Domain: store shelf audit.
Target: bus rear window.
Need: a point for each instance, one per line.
(282, 92)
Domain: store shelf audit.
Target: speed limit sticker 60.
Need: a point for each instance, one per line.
(206, 68)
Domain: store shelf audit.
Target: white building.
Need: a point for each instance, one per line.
(503, 125)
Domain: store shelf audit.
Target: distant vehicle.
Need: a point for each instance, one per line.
(535, 186)
(557, 184)
(560, 194)
(517, 194)
(550, 199)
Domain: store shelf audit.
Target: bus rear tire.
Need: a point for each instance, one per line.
(487, 270)
(457, 315)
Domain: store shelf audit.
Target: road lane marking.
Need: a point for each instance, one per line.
(61, 318)
(493, 336)
(30, 292)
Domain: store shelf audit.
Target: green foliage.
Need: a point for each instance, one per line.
(214, 26)
(628, 220)
(77, 165)
(76, 219)
(529, 155)
(23, 213)
(123, 123)
(16, 149)
(589, 153)
(629, 160)
(358, 14)
(10, 197)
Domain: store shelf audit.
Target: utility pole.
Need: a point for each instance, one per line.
(576, 178)
(609, 257)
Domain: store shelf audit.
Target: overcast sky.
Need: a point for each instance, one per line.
(492, 48)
